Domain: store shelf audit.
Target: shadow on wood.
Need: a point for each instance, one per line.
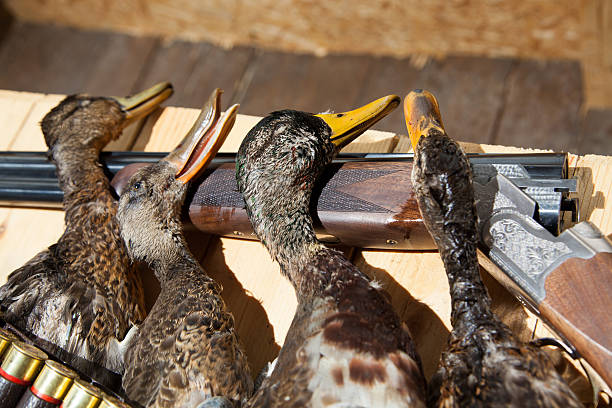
(252, 323)
(591, 199)
(427, 329)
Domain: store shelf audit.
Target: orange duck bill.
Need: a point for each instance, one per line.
(204, 139)
(422, 115)
(197, 148)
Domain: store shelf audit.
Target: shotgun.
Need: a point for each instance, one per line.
(367, 200)
(358, 192)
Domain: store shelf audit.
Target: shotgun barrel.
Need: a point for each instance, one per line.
(363, 200)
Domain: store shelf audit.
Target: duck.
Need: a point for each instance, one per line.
(484, 364)
(80, 294)
(346, 346)
(186, 352)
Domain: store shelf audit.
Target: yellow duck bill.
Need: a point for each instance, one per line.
(143, 103)
(346, 126)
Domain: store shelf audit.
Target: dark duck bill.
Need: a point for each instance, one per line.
(204, 139)
(422, 116)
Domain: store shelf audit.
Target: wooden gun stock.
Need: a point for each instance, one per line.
(577, 293)
(365, 203)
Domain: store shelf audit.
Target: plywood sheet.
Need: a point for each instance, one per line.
(538, 29)
(547, 28)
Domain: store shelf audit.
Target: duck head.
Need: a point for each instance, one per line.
(82, 120)
(281, 158)
(151, 199)
(441, 174)
(435, 152)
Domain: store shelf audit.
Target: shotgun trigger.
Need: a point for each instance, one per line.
(598, 385)
(551, 341)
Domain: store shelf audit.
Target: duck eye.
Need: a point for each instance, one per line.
(136, 186)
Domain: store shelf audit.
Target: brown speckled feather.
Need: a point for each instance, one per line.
(186, 352)
(485, 365)
(81, 291)
(189, 336)
(346, 346)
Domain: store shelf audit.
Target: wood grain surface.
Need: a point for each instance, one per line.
(573, 291)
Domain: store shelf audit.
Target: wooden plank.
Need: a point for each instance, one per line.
(30, 136)
(118, 65)
(597, 53)
(175, 62)
(542, 28)
(25, 232)
(306, 83)
(263, 301)
(542, 106)
(595, 189)
(469, 107)
(14, 109)
(6, 20)
(196, 69)
(596, 133)
(606, 39)
(54, 59)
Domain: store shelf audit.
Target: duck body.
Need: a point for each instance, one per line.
(186, 352)
(82, 292)
(485, 365)
(346, 346)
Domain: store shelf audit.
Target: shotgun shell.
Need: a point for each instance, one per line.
(50, 386)
(82, 395)
(109, 401)
(6, 338)
(19, 367)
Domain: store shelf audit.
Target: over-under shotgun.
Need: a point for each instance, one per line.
(367, 200)
(363, 200)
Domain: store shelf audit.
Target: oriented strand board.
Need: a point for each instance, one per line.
(542, 28)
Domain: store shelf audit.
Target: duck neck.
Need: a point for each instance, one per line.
(285, 228)
(469, 298)
(80, 174)
(173, 260)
